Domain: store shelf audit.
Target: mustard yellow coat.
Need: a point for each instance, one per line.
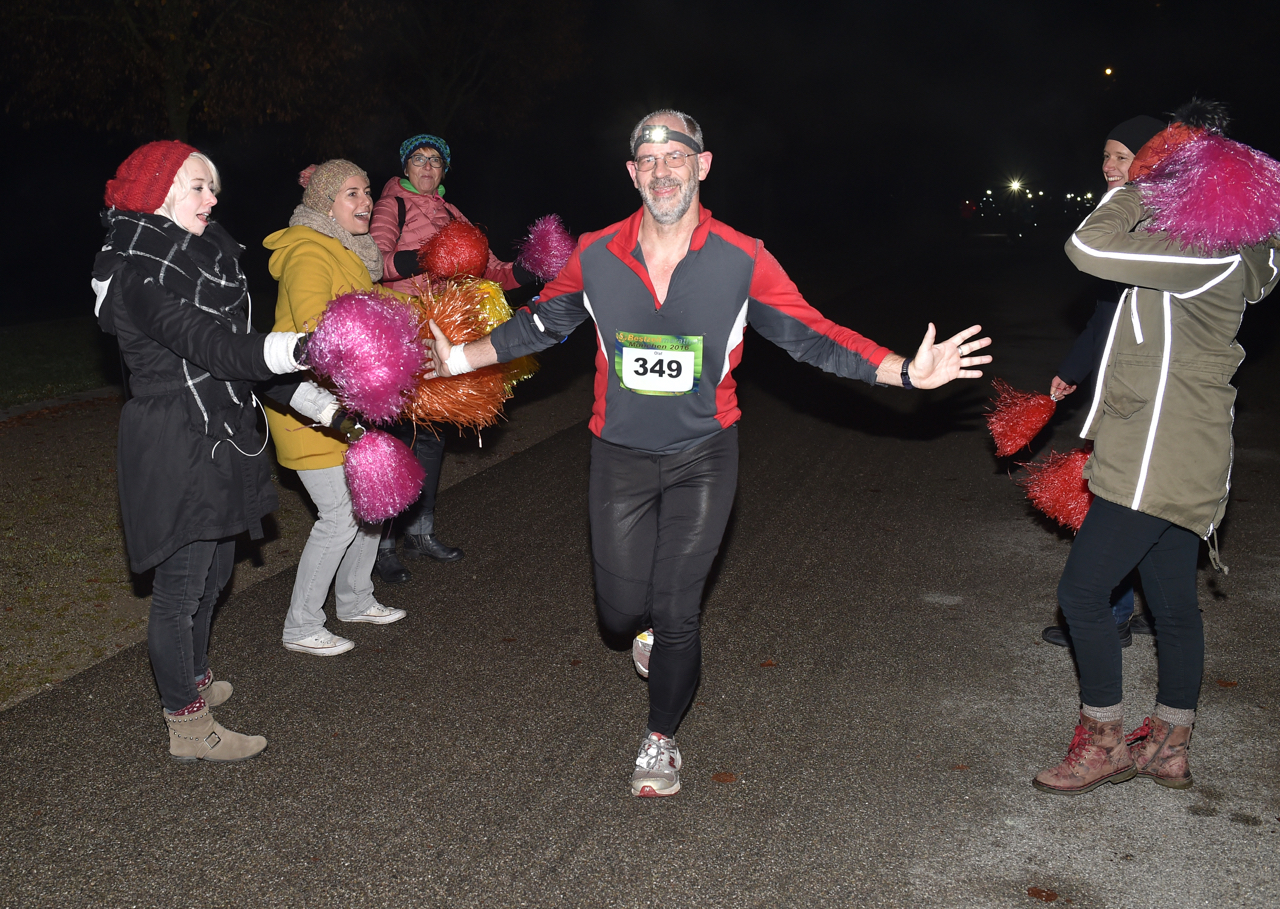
(312, 269)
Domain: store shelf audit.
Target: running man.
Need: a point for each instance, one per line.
(671, 291)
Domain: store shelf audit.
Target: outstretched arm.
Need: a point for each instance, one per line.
(937, 364)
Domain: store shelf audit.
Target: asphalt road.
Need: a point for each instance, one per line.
(875, 696)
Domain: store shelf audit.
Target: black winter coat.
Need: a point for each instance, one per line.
(190, 457)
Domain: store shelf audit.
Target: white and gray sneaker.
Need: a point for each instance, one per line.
(641, 647)
(657, 770)
(323, 643)
(378, 614)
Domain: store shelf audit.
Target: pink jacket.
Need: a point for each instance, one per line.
(424, 216)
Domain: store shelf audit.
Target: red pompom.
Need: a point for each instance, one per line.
(458, 250)
(305, 175)
(1018, 416)
(1056, 486)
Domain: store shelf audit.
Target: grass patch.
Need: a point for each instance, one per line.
(40, 361)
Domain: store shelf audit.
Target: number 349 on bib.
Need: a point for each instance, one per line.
(660, 365)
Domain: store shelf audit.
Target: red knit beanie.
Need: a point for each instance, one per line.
(142, 182)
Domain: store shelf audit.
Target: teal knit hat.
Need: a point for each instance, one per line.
(409, 146)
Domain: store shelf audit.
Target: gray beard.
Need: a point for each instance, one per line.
(682, 203)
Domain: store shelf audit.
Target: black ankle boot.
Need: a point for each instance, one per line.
(423, 542)
(388, 567)
(426, 544)
(1059, 636)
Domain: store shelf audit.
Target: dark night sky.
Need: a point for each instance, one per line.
(832, 130)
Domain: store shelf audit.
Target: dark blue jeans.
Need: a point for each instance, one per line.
(1111, 542)
(186, 589)
(656, 526)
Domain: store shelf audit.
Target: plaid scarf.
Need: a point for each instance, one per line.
(201, 270)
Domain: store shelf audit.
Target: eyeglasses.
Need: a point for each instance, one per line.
(674, 159)
(434, 161)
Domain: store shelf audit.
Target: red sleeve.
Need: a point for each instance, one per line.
(772, 287)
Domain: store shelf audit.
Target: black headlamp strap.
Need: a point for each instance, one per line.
(660, 134)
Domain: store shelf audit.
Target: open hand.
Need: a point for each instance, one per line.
(937, 364)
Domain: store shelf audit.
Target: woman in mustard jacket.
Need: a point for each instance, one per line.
(324, 252)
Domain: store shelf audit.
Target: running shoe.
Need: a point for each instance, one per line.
(641, 647)
(323, 643)
(378, 615)
(657, 770)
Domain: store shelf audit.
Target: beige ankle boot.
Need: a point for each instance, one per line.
(198, 737)
(215, 693)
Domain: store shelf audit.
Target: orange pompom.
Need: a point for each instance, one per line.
(472, 400)
(1057, 487)
(457, 250)
(1018, 416)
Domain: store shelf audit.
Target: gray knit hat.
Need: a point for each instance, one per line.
(323, 181)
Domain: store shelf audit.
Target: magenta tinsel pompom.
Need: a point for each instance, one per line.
(1057, 487)
(368, 345)
(383, 475)
(547, 248)
(1214, 194)
(1018, 416)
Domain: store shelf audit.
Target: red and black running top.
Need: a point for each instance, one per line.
(664, 371)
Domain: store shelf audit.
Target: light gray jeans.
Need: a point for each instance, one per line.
(340, 550)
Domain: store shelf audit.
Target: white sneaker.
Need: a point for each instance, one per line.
(323, 643)
(657, 770)
(641, 647)
(378, 614)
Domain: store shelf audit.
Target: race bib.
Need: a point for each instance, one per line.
(658, 364)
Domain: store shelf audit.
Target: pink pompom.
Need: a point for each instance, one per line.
(1056, 486)
(368, 345)
(383, 475)
(1018, 417)
(547, 248)
(1214, 194)
(305, 175)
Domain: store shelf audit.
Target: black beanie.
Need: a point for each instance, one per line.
(1133, 134)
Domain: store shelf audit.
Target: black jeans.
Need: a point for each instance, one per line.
(429, 450)
(1112, 540)
(186, 589)
(656, 526)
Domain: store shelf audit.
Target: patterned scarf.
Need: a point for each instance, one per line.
(362, 245)
(204, 270)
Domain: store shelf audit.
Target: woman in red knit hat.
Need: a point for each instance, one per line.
(191, 466)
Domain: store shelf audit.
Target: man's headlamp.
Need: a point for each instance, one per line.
(659, 135)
